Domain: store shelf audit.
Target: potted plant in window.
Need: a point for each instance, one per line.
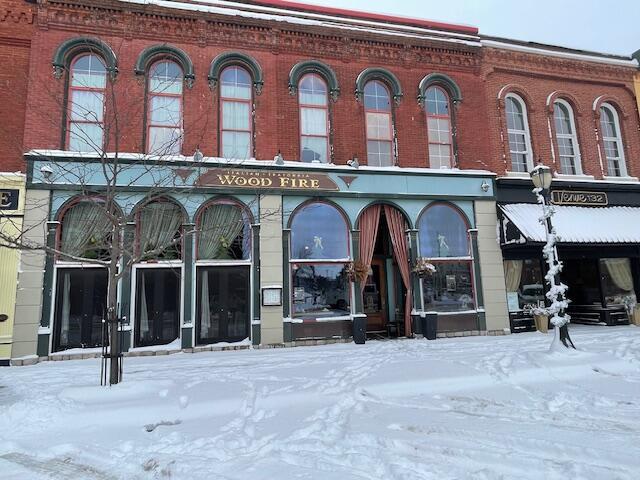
(424, 268)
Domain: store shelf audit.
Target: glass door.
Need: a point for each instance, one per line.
(157, 306)
(223, 304)
(81, 296)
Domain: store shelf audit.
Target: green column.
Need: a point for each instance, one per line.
(286, 286)
(415, 281)
(188, 259)
(255, 323)
(473, 238)
(358, 307)
(125, 285)
(44, 332)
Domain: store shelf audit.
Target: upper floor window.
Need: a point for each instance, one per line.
(236, 113)
(85, 124)
(566, 138)
(612, 141)
(164, 117)
(519, 135)
(438, 109)
(379, 123)
(314, 119)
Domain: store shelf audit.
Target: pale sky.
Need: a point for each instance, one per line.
(607, 26)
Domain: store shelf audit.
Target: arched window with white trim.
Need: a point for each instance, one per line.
(519, 134)
(314, 119)
(86, 103)
(379, 124)
(439, 127)
(612, 141)
(566, 138)
(236, 99)
(164, 108)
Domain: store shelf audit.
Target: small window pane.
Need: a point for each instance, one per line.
(320, 290)
(85, 137)
(378, 126)
(314, 121)
(236, 145)
(87, 106)
(165, 77)
(318, 231)
(439, 156)
(165, 110)
(562, 119)
(312, 91)
(518, 162)
(235, 83)
(515, 116)
(314, 149)
(437, 102)
(607, 122)
(165, 141)
(443, 233)
(439, 130)
(235, 115)
(450, 288)
(379, 154)
(89, 72)
(376, 96)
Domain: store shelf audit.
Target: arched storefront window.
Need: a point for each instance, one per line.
(319, 255)
(164, 108)
(85, 231)
(223, 273)
(444, 242)
(158, 280)
(86, 100)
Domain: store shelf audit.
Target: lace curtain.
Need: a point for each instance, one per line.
(620, 272)
(219, 227)
(159, 225)
(85, 228)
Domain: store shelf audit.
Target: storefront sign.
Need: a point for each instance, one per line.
(9, 199)
(568, 197)
(265, 179)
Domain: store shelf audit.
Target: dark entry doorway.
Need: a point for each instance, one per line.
(223, 304)
(375, 297)
(81, 296)
(157, 306)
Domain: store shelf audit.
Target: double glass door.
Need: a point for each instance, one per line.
(157, 306)
(223, 312)
(81, 297)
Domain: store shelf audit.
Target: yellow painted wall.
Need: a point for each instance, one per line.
(10, 224)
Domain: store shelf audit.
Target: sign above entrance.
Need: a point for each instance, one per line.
(265, 179)
(587, 199)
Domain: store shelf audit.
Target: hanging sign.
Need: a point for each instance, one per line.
(587, 199)
(9, 199)
(265, 179)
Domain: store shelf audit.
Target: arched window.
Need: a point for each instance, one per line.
(85, 231)
(224, 233)
(319, 257)
(86, 100)
(566, 138)
(235, 113)
(314, 119)
(612, 141)
(439, 126)
(164, 108)
(159, 230)
(444, 242)
(519, 135)
(223, 273)
(379, 124)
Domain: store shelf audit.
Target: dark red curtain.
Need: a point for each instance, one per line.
(369, 221)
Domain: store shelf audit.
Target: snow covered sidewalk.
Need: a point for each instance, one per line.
(475, 407)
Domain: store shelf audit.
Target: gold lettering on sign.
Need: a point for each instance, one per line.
(567, 197)
(265, 179)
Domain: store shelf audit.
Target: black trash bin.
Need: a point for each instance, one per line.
(360, 329)
(429, 325)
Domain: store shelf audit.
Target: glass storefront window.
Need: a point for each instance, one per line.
(443, 233)
(318, 231)
(617, 281)
(320, 290)
(524, 283)
(450, 288)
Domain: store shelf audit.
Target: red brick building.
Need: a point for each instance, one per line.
(432, 113)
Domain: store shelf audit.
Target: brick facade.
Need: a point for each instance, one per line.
(480, 72)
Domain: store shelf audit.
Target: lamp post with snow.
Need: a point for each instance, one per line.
(541, 176)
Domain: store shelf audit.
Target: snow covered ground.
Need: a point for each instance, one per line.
(476, 407)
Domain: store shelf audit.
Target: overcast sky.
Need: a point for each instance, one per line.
(608, 26)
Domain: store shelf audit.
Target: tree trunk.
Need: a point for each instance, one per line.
(112, 323)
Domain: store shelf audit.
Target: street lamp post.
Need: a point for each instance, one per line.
(541, 177)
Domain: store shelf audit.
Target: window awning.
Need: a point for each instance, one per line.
(572, 224)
